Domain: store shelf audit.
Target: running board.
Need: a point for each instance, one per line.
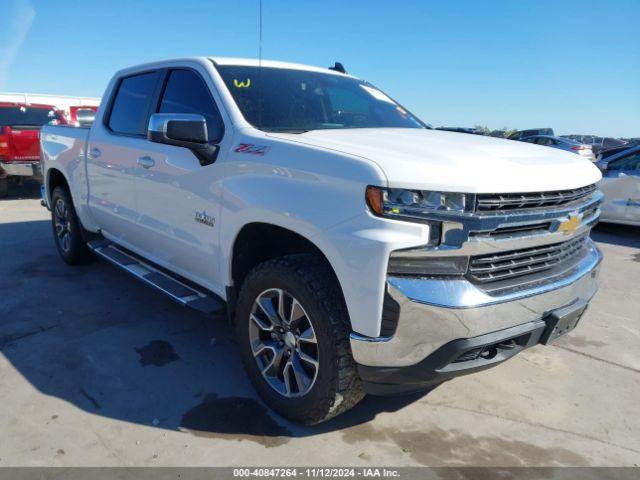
(175, 289)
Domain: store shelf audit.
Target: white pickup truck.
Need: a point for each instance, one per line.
(355, 249)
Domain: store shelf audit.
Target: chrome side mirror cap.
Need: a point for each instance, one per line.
(183, 130)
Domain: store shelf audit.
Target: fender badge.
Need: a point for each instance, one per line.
(252, 149)
(202, 217)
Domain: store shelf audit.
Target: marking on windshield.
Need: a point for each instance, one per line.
(238, 84)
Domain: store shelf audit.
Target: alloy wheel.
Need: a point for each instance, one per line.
(62, 224)
(283, 343)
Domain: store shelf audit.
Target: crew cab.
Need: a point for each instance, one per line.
(19, 146)
(355, 249)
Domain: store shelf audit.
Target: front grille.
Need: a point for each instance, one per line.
(517, 263)
(515, 231)
(515, 201)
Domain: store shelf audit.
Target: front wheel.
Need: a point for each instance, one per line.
(293, 331)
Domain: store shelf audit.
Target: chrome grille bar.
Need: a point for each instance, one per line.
(500, 266)
(517, 201)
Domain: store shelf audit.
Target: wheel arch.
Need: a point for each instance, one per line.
(258, 242)
(55, 178)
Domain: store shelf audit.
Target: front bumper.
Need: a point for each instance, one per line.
(437, 314)
(20, 169)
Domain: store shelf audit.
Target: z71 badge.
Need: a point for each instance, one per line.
(208, 220)
(252, 149)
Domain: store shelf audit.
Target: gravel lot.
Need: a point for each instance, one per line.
(98, 370)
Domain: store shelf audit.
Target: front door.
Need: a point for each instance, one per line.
(178, 198)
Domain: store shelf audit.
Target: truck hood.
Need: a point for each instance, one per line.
(458, 162)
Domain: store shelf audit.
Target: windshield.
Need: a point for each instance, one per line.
(28, 116)
(287, 100)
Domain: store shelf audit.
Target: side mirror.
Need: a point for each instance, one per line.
(85, 118)
(183, 130)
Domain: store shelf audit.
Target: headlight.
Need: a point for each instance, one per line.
(415, 204)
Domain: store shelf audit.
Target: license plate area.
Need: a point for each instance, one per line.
(562, 321)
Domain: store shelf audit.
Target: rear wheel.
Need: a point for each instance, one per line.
(67, 231)
(293, 331)
(4, 187)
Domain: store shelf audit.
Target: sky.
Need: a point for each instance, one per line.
(573, 65)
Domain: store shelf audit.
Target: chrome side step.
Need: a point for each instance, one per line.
(175, 289)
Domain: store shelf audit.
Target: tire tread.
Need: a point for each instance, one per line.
(319, 280)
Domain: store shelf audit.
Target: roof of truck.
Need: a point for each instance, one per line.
(254, 62)
(22, 104)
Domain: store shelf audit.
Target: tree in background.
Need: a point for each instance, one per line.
(482, 129)
(503, 132)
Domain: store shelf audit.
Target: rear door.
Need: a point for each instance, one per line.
(115, 146)
(175, 189)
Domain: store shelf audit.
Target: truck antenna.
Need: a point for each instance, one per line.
(260, 36)
(260, 66)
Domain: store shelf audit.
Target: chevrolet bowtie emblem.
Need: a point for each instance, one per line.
(571, 225)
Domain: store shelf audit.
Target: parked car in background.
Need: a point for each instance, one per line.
(621, 187)
(588, 139)
(82, 116)
(520, 134)
(19, 146)
(563, 144)
(599, 144)
(609, 152)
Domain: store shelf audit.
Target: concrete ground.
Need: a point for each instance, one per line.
(98, 370)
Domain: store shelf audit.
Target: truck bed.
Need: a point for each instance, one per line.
(63, 148)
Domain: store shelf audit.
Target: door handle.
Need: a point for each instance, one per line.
(146, 162)
(95, 152)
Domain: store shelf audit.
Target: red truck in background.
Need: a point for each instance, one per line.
(20, 125)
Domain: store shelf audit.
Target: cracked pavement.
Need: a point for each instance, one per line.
(98, 370)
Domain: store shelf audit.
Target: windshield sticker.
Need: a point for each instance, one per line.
(238, 84)
(252, 149)
(377, 94)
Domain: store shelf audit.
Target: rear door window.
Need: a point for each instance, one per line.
(186, 92)
(130, 110)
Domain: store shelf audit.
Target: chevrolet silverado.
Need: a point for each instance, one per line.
(355, 249)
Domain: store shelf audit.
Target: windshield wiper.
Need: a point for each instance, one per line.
(286, 130)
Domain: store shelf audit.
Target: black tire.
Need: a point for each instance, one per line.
(337, 386)
(4, 187)
(71, 246)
